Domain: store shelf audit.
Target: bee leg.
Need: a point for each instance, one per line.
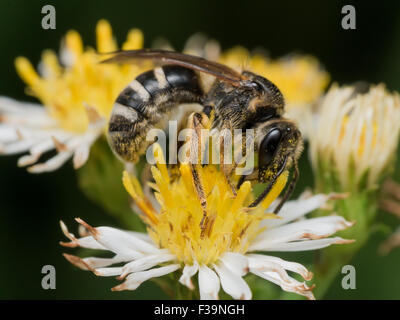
(195, 122)
(244, 150)
(225, 168)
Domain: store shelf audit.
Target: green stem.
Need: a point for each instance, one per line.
(361, 209)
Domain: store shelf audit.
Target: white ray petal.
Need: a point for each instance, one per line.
(10, 105)
(307, 229)
(113, 236)
(233, 284)
(236, 262)
(145, 263)
(95, 262)
(18, 146)
(292, 286)
(141, 235)
(108, 272)
(296, 209)
(7, 133)
(121, 242)
(91, 263)
(262, 262)
(81, 155)
(187, 274)
(51, 164)
(134, 280)
(304, 245)
(209, 284)
(84, 242)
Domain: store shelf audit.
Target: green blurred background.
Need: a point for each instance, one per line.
(32, 205)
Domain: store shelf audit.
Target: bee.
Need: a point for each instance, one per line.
(234, 101)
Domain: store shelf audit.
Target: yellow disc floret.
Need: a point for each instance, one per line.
(229, 226)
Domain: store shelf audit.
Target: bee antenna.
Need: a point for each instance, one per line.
(290, 188)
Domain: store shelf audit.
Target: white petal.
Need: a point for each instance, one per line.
(121, 242)
(7, 133)
(51, 164)
(145, 263)
(208, 284)
(305, 245)
(187, 274)
(11, 105)
(92, 262)
(28, 119)
(116, 239)
(295, 209)
(233, 284)
(262, 262)
(141, 235)
(95, 262)
(134, 280)
(28, 159)
(108, 272)
(315, 228)
(291, 286)
(18, 146)
(85, 242)
(236, 262)
(81, 155)
(36, 151)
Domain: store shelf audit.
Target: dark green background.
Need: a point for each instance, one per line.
(31, 205)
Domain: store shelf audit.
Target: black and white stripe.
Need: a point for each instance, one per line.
(145, 102)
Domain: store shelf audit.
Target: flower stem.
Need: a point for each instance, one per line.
(361, 208)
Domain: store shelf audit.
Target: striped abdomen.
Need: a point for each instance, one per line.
(144, 103)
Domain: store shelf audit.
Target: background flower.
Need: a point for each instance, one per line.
(354, 138)
(77, 93)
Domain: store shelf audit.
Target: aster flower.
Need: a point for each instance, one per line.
(353, 142)
(77, 97)
(301, 79)
(355, 137)
(222, 250)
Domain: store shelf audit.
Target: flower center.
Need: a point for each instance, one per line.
(229, 225)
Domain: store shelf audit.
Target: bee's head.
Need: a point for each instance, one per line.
(279, 144)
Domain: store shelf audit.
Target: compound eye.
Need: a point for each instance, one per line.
(268, 147)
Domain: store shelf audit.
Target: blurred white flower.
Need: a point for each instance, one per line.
(355, 135)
